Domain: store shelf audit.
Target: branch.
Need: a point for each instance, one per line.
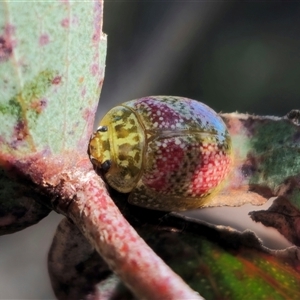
(127, 254)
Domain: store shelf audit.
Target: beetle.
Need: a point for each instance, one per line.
(170, 153)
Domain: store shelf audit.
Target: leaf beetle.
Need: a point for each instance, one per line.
(170, 153)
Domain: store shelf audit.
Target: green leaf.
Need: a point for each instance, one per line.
(51, 72)
(52, 59)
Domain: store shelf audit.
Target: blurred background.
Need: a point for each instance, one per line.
(234, 56)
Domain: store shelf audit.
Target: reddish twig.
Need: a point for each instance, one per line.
(122, 248)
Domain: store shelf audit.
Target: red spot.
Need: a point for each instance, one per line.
(44, 39)
(88, 114)
(105, 219)
(65, 23)
(102, 201)
(97, 21)
(94, 69)
(20, 134)
(124, 248)
(56, 80)
(5, 49)
(38, 105)
(83, 92)
(100, 83)
(134, 265)
(163, 288)
(133, 239)
(6, 44)
(20, 130)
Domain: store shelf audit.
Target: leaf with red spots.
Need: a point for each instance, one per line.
(47, 103)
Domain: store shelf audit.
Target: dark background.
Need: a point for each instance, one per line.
(234, 56)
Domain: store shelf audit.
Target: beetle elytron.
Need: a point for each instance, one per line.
(170, 153)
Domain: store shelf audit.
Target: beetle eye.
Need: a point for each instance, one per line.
(102, 129)
(105, 166)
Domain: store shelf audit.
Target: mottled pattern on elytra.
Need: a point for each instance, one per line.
(186, 165)
(176, 113)
(172, 153)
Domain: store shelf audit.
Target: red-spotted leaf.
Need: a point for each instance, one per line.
(51, 75)
(51, 71)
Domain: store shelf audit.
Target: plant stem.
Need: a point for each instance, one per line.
(127, 254)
